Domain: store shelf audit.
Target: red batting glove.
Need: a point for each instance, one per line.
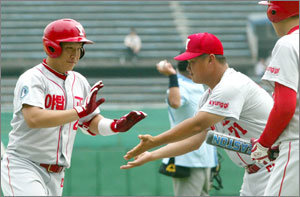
(259, 152)
(90, 103)
(127, 121)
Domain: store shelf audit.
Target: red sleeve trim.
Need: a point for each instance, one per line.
(285, 100)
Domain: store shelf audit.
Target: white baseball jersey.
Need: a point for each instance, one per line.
(284, 69)
(43, 87)
(245, 105)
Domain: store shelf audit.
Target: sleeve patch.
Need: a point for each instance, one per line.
(24, 91)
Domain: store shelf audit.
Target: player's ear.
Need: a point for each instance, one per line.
(211, 58)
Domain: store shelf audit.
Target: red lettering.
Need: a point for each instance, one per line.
(79, 100)
(225, 122)
(62, 182)
(218, 103)
(53, 101)
(226, 105)
(60, 102)
(236, 125)
(234, 129)
(273, 70)
(75, 126)
(48, 101)
(231, 129)
(269, 167)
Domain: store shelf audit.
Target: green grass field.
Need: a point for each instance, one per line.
(96, 161)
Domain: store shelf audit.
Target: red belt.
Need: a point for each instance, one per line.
(252, 168)
(52, 168)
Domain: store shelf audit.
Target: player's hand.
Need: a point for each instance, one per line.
(127, 121)
(90, 104)
(138, 161)
(166, 68)
(146, 142)
(259, 152)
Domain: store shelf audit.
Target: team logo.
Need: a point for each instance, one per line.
(24, 92)
(187, 42)
(218, 103)
(273, 70)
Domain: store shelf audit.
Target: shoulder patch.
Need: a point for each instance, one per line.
(24, 91)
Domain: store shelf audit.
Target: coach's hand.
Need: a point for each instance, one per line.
(90, 103)
(147, 142)
(138, 161)
(127, 121)
(259, 152)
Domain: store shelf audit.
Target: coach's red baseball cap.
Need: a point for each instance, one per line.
(201, 43)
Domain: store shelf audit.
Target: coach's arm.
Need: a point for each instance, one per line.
(191, 126)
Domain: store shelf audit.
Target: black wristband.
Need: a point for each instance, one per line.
(173, 81)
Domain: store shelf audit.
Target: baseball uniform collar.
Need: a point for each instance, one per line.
(60, 75)
(293, 29)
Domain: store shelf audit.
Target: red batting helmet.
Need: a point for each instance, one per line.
(63, 30)
(280, 10)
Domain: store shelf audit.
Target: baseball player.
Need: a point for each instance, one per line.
(50, 102)
(282, 128)
(183, 99)
(233, 104)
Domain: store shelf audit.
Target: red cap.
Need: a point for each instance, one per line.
(201, 43)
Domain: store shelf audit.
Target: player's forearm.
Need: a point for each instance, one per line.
(282, 112)
(94, 124)
(182, 131)
(40, 118)
(174, 97)
(179, 148)
(187, 128)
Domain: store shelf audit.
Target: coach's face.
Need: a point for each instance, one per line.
(69, 57)
(199, 68)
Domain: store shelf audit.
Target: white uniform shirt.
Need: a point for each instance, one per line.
(190, 94)
(284, 69)
(245, 105)
(41, 86)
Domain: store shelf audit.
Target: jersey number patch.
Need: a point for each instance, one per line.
(235, 128)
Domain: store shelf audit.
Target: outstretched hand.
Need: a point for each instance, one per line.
(90, 104)
(138, 161)
(127, 121)
(147, 142)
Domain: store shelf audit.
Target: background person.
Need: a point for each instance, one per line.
(133, 46)
(183, 98)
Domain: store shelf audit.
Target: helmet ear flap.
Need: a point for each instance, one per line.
(52, 49)
(82, 52)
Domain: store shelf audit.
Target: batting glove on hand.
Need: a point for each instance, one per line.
(90, 103)
(259, 152)
(127, 121)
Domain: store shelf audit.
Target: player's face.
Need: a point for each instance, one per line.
(198, 69)
(69, 57)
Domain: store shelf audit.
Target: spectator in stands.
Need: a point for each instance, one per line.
(133, 45)
(183, 97)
